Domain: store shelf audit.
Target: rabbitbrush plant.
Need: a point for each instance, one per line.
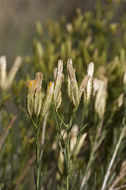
(73, 133)
(35, 109)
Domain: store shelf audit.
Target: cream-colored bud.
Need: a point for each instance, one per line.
(3, 74)
(73, 83)
(89, 90)
(80, 144)
(100, 102)
(69, 88)
(6, 81)
(38, 81)
(58, 77)
(73, 140)
(90, 69)
(60, 66)
(30, 97)
(75, 94)
(37, 103)
(61, 162)
(69, 62)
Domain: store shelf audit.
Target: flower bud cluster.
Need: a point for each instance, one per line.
(74, 92)
(34, 96)
(35, 107)
(6, 80)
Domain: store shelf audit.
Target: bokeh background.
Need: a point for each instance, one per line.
(18, 18)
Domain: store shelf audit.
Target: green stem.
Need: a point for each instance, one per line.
(37, 160)
(92, 155)
(68, 161)
(67, 183)
(84, 113)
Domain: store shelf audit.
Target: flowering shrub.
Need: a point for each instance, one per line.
(73, 114)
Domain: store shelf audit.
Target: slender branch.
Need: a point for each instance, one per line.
(92, 157)
(118, 178)
(113, 159)
(119, 188)
(43, 130)
(61, 120)
(37, 159)
(25, 172)
(68, 161)
(117, 181)
(6, 132)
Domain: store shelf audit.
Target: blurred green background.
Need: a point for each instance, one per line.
(18, 18)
